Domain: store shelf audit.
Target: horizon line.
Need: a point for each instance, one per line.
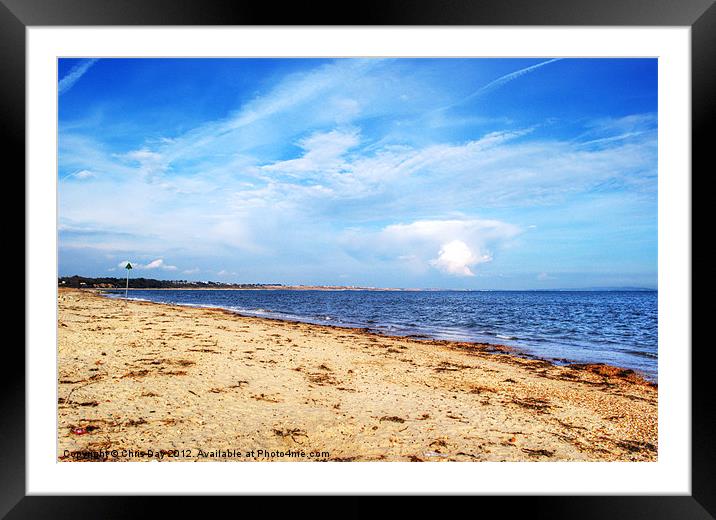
(606, 288)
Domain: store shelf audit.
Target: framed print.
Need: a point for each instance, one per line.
(442, 250)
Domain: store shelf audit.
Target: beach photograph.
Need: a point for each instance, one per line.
(357, 260)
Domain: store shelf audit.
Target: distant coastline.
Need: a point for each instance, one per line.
(145, 284)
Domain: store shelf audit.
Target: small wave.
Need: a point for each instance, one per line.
(501, 336)
(197, 305)
(641, 353)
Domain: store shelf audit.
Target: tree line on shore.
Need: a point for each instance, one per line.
(80, 282)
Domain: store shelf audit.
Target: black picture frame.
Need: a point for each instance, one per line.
(700, 15)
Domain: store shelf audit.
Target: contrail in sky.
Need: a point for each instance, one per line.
(492, 85)
(499, 82)
(74, 75)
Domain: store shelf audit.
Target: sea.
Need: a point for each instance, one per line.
(614, 327)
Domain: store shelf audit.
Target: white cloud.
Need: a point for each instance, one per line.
(150, 163)
(323, 153)
(83, 174)
(80, 175)
(471, 230)
(453, 246)
(154, 264)
(456, 258)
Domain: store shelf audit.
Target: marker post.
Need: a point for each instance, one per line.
(126, 289)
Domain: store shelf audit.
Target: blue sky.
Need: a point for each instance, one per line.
(451, 173)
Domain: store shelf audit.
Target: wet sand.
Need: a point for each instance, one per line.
(161, 382)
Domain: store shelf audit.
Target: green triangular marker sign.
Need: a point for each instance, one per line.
(128, 266)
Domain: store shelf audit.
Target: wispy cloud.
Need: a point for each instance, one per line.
(323, 152)
(248, 210)
(80, 175)
(74, 75)
(333, 169)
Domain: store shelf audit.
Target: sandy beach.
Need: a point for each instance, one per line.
(161, 382)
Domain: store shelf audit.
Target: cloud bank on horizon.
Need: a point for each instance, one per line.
(455, 173)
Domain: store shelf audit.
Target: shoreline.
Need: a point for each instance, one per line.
(339, 288)
(487, 346)
(337, 373)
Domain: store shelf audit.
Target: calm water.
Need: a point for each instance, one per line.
(619, 328)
